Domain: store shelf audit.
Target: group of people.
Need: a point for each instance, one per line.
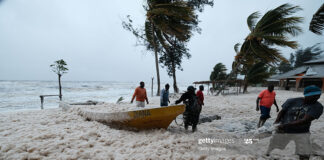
(194, 102)
(293, 120)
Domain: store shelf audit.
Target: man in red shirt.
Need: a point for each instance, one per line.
(264, 102)
(200, 96)
(140, 94)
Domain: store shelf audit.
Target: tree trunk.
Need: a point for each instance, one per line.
(156, 62)
(157, 72)
(246, 84)
(60, 87)
(175, 87)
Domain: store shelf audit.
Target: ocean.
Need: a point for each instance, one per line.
(24, 95)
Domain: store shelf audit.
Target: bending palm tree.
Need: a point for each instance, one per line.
(271, 30)
(167, 20)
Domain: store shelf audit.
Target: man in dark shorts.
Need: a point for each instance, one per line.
(295, 120)
(264, 102)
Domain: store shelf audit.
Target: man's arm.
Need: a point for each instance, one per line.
(306, 119)
(257, 104)
(280, 114)
(147, 102)
(275, 103)
(182, 98)
(134, 95)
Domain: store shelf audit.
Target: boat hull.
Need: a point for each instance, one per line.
(140, 119)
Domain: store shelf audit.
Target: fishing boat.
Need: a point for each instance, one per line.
(152, 118)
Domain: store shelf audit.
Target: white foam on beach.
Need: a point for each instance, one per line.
(57, 134)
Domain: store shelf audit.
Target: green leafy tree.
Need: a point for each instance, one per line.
(287, 66)
(258, 73)
(59, 67)
(175, 21)
(172, 60)
(307, 54)
(218, 73)
(167, 20)
(284, 67)
(317, 23)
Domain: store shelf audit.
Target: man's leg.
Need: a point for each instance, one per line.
(185, 120)
(260, 123)
(303, 145)
(195, 121)
(265, 114)
(278, 141)
(263, 121)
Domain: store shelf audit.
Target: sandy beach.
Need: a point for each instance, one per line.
(57, 134)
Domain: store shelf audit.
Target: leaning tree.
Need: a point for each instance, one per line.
(168, 24)
(271, 30)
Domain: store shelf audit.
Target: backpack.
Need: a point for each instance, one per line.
(192, 105)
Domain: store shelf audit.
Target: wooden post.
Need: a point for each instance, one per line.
(42, 101)
(152, 87)
(297, 83)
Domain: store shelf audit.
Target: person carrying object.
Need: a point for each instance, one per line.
(191, 114)
(295, 120)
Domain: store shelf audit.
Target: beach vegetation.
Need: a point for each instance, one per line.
(307, 54)
(168, 27)
(267, 33)
(59, 67)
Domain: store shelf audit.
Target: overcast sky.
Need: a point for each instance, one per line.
(88, 35)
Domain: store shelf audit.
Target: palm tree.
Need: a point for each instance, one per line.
(257, 73)
(270, 31)
(165, 20)
(169, 22)
(317, 23)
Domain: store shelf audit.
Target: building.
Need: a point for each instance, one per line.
(312, 73)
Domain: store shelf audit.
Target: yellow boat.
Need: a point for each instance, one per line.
(140, 119)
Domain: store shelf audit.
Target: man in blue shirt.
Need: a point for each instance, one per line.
(165, 96)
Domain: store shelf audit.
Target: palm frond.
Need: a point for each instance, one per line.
(236, 47)
(252, 19)
(279, 17)
(317, 23)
